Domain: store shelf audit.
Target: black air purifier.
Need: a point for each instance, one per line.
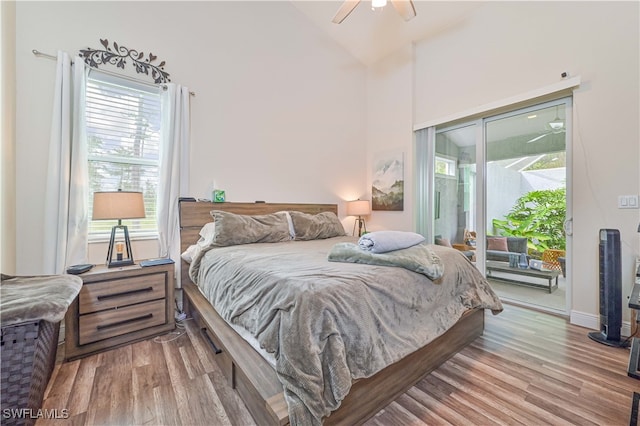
(610, 290)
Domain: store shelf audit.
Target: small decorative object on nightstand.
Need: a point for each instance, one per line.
(219, 196)
(119, 306)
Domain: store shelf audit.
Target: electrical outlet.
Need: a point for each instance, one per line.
(628, 202)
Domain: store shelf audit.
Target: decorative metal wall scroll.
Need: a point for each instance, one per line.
(119, 56)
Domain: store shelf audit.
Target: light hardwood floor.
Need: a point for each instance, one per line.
(528, 368)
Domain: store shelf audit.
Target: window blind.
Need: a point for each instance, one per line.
(123, 122)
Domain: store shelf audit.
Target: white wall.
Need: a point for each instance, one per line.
(390, 129)
(279, 111)
(504, 189)
(508, 48)
(7, 133)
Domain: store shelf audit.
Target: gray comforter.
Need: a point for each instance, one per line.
(327, 323)
(419, 258)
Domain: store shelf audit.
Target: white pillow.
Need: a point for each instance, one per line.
(190, 253)
(206, 238)
(208, 231)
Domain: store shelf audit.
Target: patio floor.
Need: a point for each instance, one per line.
(538, 297)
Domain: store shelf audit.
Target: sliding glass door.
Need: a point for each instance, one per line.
(526, 205)
(497, 186)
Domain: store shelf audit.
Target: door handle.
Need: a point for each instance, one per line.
(568, 227)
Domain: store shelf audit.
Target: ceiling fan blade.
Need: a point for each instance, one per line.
(405, 8)
(537, 138)
(344, 11)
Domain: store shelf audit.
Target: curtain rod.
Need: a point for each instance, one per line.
(46, 55)
(38, 53)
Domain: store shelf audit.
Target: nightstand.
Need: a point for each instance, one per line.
(118, 306)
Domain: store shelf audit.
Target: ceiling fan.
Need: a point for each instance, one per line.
(404, 7)
(555, 126)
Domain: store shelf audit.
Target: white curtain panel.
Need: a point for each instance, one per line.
(174, 169)
(65, 214)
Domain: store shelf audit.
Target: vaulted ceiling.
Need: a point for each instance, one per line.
(371, 35)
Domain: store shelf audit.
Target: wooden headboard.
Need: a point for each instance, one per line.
(193, 216)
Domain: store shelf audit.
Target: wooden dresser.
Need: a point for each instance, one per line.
(118, 306)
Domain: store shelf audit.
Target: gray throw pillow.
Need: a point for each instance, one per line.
(232, 229)
(517, 244)
(316, 226)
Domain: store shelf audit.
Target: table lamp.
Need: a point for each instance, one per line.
(358, 208)
(118, 205)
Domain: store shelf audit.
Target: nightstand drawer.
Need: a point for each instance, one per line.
(110, 294)
(114, 322)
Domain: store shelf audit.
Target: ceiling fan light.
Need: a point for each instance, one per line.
(556, 124)
(378, 3)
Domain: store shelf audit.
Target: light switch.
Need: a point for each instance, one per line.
(628, 202)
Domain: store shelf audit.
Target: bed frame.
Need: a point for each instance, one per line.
(253, 377)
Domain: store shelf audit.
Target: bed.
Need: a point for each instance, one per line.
(251, 352)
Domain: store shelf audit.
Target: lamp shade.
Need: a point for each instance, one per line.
(118, 205)
(358, 208)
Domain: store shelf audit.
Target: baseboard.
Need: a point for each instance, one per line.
(592, 321)
(584, 319)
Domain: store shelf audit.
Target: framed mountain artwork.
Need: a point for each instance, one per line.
(387, 189)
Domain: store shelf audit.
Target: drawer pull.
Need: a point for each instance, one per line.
(216, 349)
(127, 321)
(125, 293)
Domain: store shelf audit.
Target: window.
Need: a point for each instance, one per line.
(445, 166)
(123, 137)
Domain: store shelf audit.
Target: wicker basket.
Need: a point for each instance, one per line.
(27, 356)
